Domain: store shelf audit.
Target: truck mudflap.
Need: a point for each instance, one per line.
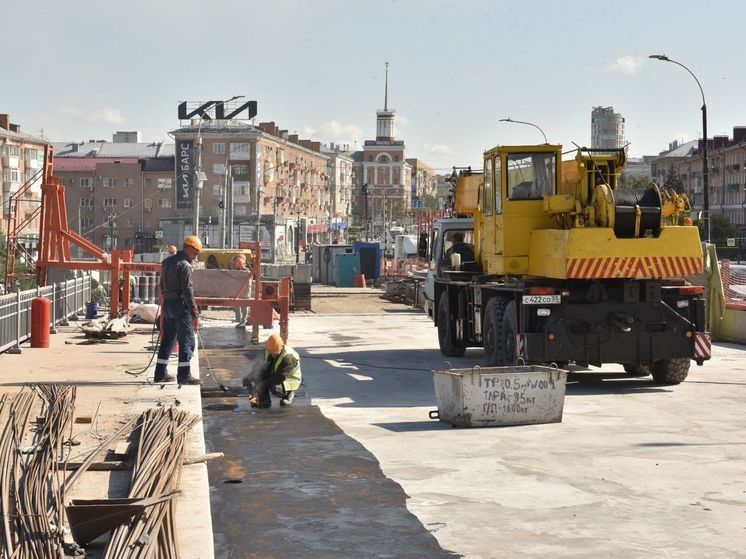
(520, 346)
(702, 347)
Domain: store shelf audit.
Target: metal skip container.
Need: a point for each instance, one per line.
(516, 395)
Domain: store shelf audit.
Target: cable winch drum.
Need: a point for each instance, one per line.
(626, 202)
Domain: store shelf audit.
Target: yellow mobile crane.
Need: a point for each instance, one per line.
(569, 267)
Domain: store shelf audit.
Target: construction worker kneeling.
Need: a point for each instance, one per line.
(279, 375)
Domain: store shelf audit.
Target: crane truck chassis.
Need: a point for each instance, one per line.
(572, 269)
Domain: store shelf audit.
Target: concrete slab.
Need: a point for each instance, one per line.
(634, 469)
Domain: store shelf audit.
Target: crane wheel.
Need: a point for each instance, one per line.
(670, 371)
(510, 327)
(492, 332)
(449, 345)
(637, 369)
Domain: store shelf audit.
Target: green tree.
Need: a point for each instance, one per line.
(634, 182)
(673, 181)
(429, 203)
(720, 229)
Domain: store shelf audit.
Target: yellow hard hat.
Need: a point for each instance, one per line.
(194, 242)
(275, 344)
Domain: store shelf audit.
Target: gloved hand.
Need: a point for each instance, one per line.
(250, 382)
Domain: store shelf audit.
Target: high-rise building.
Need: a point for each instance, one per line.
(607, 128)
(21, 160)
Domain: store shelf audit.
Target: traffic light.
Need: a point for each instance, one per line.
(365, 189)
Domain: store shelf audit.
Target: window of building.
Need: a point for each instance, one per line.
(239, 170)
(86, 202)
(85, 182)
(85, 223)
(110, 202)
(11, 175)
(218, 148)
(110, 182)
(32, 153)
(164, 184)
(128, 182)
(128, 202)
(148, 183)
(130, 222)
(240, 147)
(216, 190)
(240, 210)
(370, 158)
(396, 158)
(218, 168)
(164, 203)
(147, 203)
(242, 188)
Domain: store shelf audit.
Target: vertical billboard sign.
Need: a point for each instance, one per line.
(184, 173)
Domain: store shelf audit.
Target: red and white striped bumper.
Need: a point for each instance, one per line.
(702, 346)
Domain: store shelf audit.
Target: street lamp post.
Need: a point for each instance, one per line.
(365, 194)
(112, 216)
(528, 123)
(705, 167)
(199, 174)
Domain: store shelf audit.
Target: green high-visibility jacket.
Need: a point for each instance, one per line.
(293, 377)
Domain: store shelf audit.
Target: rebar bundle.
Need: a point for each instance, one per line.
(32, 493)
(156, 473)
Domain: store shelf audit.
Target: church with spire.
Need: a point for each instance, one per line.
(384, 176)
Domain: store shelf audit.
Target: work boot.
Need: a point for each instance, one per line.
(189, 380)
(241, 325)
(164, 378)
(288, 399)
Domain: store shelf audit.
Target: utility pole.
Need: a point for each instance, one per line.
(230, 209)
(198, 175)
(297, 238)
(112, 216)
(365, 195)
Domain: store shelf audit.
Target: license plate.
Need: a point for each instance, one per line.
(542, 299)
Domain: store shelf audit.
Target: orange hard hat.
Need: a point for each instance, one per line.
(275, 344)
(194, 242)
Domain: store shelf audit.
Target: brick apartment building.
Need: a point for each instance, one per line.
(21, 161)
(339, 171)
(118, 193)
(274, 174)
(727, 173)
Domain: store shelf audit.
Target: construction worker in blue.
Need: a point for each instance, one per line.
(279, 375)
(179, 311)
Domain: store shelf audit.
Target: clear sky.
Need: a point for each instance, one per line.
(81, 70)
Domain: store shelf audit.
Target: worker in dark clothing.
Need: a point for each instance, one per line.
(460, 247)
(179, 311)
(279, 374)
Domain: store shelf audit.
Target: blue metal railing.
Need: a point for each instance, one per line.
(68, 297)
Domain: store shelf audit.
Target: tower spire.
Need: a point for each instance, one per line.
(386, 91)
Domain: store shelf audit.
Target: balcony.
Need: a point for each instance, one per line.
(10, 161)
(31, 163)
